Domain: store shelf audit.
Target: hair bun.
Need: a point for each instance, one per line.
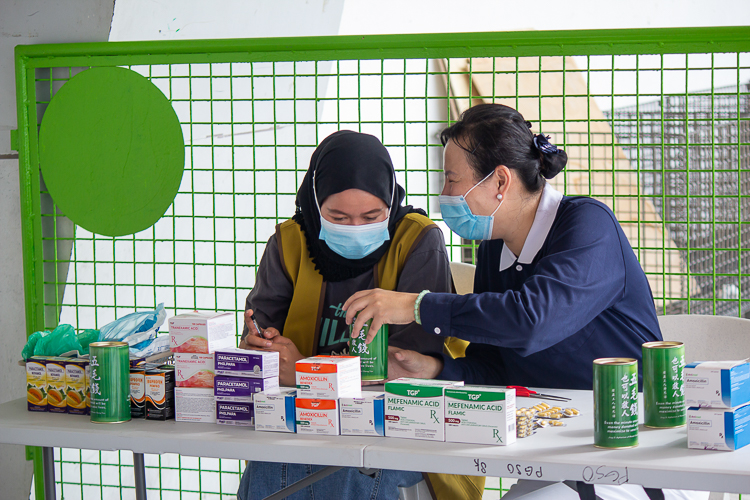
(553, 163)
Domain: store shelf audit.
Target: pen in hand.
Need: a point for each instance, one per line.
(258, 331)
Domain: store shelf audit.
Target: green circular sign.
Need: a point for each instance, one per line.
(111, 151)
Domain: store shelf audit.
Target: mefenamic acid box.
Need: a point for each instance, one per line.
(414, 408)
(480, 415)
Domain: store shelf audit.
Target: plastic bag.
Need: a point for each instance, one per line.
(137, 322)
(85, 338)
(28, 349)
(61, 339)
(150, 347)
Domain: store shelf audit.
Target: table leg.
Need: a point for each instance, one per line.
(139, 469)
(48, 465)
(302, 483)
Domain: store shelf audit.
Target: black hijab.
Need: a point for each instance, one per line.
(347, 160)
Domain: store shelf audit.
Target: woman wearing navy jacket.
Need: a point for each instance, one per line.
(557, 283)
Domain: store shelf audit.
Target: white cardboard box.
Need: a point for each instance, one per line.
(194, 370)
(363, 416)
(202, 333)
(317, 416)
(246, 363)
(717, 384)
(480, 415)
(194, 405)
(329, 377)
(275, 410)
(725, 429)
(415, 408)
(235, 413)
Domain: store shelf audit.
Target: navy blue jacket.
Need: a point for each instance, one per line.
(583, 297)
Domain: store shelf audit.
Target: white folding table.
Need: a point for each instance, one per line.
(661, 460)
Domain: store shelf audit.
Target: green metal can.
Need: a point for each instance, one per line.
(373, 356)
(663, 389)
(615, 403)
(109, 374)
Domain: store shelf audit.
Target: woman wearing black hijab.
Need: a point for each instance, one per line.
(350, 232)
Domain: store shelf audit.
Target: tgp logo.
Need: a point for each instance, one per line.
(314, 404)
(412, 392)
(473, 397)
(315, 368)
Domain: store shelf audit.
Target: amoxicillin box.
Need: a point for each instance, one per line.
(246, 363)
(275, 410)
(480, 415)
(414, 408)
(317, 416)
(718, 429)
(242, 388)
(201, 333)
(363, 416)
(329, 377)
(235, 413)
(717, 384)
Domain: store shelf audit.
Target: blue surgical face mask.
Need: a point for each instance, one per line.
(458, 216)
(354, 242)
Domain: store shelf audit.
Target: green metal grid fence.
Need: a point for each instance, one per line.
(252, 112)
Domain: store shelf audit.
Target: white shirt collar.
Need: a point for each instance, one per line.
(545, 216)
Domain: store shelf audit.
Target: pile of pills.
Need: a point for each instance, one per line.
(539, 416)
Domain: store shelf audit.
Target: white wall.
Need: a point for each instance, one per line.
(26, 22)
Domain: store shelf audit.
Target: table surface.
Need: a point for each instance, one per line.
(662, 458)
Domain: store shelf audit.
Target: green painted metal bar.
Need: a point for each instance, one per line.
(427, 46)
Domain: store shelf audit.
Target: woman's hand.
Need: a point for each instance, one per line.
(288, 357)
(404, 363)
(255, 339)
(382, 306)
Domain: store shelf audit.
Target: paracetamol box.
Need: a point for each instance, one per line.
(317, 416)
(202, 332)
(194, 370)
(235, 413)
(718, 429)
(242, 388)
(717, 384)
(275, 410)
(194, 405)
(363, 416)
(246, 363)
(480, 415)
(329, 377)
(414, 408)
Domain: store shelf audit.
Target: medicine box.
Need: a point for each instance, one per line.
(317, 416)
(36, 383)
(246, 363)
(275, 410)
(235, 413)
(717, 384)
(242, 388)
(414, 408)
(480, 415)
(202, 333)
(718, 429)
(194, 405)
(363, 416)
(160, 393)
(137, 392)
(194, 370)
(329, 377)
